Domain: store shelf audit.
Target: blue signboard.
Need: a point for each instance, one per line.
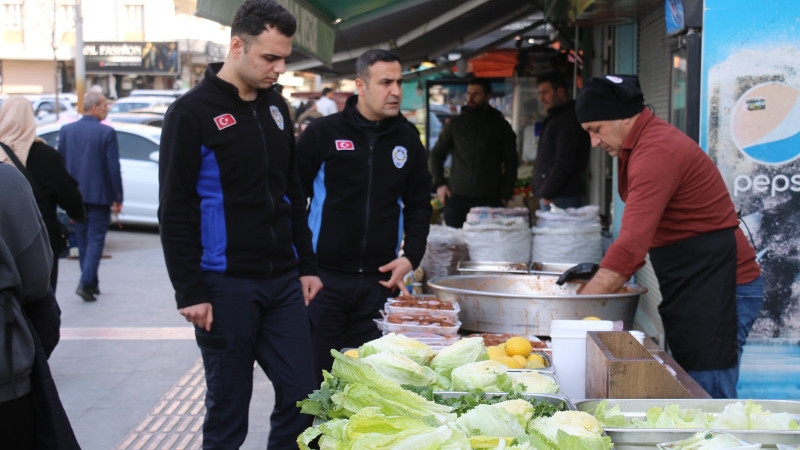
(674, 16)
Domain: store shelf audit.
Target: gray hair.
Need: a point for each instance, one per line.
(92, 99)
(370, 57)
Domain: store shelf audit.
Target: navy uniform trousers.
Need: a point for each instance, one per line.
(262, 320)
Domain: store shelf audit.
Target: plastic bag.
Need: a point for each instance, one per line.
(507, 240)
(444, 250)
(567, 244)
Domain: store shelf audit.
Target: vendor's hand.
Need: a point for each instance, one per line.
(442, 192)
(116, 208)
(311, 285)
(582, 271)
(199, 315)
(399, 268)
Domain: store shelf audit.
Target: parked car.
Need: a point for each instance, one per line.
(140, 117)
(158, 92)
(128, 104)
(138, 158)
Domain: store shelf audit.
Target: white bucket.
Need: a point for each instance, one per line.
(569, 353)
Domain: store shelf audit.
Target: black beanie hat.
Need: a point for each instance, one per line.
(609, 98)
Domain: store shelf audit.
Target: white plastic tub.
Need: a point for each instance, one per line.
(568, 341)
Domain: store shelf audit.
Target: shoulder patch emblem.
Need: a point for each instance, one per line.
(224, 121)
(276, 116)
(399, 156)
(343, 144)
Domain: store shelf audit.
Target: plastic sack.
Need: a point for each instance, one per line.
(507, 240)
(488, 214)
(444, 250)
(557, 217)
(567, 244)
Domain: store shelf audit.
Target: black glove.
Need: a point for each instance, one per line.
(582, 271)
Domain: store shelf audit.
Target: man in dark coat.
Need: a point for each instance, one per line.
(563, 152)
(484, 157)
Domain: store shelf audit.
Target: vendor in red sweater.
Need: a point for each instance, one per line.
(678, 208)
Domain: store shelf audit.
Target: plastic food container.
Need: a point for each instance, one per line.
(388, 327)
(451, 314)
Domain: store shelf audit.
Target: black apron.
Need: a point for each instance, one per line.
(697, 279)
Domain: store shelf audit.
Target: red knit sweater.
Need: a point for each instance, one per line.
(672, 191)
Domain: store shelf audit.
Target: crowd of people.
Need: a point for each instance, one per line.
(266, 279)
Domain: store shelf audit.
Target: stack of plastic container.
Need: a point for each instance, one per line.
(424, 318)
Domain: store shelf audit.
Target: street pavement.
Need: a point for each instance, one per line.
(127, 367)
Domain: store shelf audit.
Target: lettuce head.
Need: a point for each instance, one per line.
(465, 351)
(490, 376)
(491, 421)
(410, 348)
(400, 369)
(534, 382)
(568, 430)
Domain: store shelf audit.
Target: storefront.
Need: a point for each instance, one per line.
(119, 67)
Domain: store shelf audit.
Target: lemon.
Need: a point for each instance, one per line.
(533, 364)
(495, 352)
(536, 357)
(509, 362)
(520, 360)
(518, 346)
(503, 346)
(353, 353)
(591, 318)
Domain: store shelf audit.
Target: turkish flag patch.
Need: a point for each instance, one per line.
(342, 144)
(224, 121)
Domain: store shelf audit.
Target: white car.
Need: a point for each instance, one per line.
(151, 102)
(138, 160)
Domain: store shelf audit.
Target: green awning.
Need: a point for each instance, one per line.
(314, 37)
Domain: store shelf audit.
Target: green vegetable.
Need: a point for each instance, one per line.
(521, 409)
(535, 383)
(571, 430)
(610, 418)
(400, 369)
(488, 375)
(490, 420)
(751, 416)
(708, 440)
(464, 351)
(410, 348)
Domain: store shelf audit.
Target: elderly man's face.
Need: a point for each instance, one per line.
(608, 134)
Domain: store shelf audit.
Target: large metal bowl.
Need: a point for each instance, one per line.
(526, 304)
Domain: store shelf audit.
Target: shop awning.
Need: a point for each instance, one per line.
(336, 32)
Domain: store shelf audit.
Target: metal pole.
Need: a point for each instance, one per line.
(80, 62)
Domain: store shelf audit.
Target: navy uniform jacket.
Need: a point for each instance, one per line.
(230, 197)
(91, 155)
(370, 190)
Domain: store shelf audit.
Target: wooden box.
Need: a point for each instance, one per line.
(618, 366)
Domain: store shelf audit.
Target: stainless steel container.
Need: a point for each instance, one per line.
(639, 438)
(489, 267)
(526, 304)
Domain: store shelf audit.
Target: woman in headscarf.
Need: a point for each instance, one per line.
(44, 168)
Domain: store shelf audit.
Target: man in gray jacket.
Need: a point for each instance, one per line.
(484, 157)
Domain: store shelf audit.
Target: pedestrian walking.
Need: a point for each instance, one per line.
(91, 154)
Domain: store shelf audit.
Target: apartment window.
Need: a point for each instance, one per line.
(134, 17)
(11, 14)
(65, 16)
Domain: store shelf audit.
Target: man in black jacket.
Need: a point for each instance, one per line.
(364, 169)
(484, 157)
(563, 152)
(234, 231)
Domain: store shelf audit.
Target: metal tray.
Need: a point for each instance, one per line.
(637, 438)
(483, 267)
(549, 398)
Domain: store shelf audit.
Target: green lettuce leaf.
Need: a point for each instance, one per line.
(410, 348)
(490, 420)
(610, 418)
(490, 376)
(400, 369)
